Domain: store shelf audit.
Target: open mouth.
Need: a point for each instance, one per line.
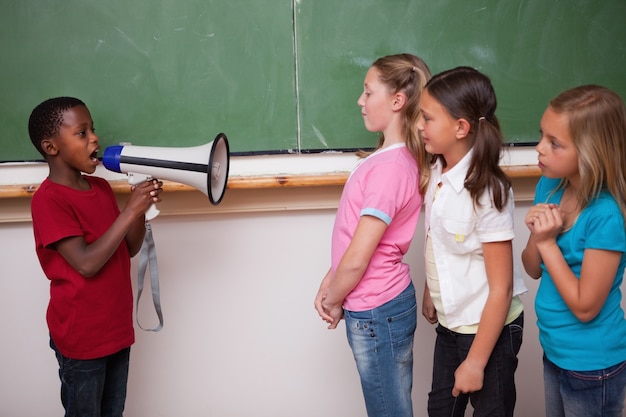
(94, 156)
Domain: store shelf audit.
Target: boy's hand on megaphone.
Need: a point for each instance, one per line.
(143, 195)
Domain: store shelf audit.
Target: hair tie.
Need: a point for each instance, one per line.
(481, 118)
(414, 69)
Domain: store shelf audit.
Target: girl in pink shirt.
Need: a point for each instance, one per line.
(368, 284)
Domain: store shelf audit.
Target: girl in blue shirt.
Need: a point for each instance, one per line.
(577, 246)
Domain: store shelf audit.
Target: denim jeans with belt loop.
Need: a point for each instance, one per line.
(584, 393)
(382, 344)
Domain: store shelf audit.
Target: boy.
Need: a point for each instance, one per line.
(84, 245)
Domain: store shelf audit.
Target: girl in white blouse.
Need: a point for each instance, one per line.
(471, 288)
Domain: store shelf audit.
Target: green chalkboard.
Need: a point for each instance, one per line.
(531, 49)
(285, 75)
(152, 72)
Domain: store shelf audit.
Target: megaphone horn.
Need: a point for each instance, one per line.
(204, 167)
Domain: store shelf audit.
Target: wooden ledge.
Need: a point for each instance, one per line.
(254, 182)
(245, 195)
(522, 171)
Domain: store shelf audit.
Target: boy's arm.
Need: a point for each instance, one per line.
(89, 259)
(134, 237)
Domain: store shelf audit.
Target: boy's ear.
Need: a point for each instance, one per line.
(462, 129)
(49, 147)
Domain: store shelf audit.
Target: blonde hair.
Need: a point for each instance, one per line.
(409, 74)
(597, 126)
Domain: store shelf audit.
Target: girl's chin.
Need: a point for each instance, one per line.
(548, 174)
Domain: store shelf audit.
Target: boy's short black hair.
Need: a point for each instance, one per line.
(45, 119)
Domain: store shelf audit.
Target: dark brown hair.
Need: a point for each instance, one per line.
(468, 94)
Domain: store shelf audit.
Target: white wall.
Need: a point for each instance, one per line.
(241, 337)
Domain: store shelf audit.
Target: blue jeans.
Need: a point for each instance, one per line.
(382, 344)
(93, 388)
(498, 395)
(584, 393)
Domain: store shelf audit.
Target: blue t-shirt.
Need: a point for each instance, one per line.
(566, 341)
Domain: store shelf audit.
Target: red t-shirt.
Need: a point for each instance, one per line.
(91, 317)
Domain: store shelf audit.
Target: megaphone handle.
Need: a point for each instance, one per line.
(134, 179)
(152, 212)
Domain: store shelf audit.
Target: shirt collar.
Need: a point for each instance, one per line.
(375, 153)
(456, 175)
(388, 148)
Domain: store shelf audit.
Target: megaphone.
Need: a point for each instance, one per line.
(203, 167)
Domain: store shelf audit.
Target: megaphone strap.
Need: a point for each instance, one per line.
(147, 258)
